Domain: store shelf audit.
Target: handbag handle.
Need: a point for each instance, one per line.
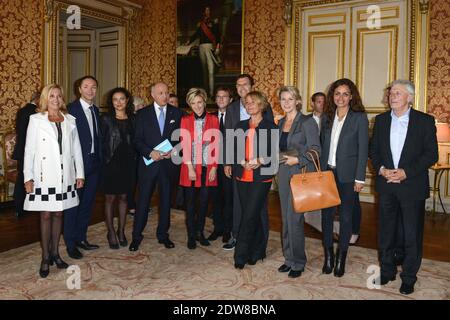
(313, 153)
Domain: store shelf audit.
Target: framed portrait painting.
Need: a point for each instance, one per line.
(209, 45)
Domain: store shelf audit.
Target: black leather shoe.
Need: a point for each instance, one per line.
(339, 268)
(226, 237)
(252, 262)
(284, 268)
(203, 241)
(74, 253)
(239, 265)
(295, 273)
(44, 270)
(406, 288)
(134, 246)
(192, 244)
(383, 280)
(60, 264)
(214, 235)
(86, 245)
(328, 264)
(167, 243)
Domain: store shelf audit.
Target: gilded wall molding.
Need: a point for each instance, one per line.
(299, 7)
(50, 40)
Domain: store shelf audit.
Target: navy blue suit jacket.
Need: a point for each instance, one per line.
(419, 153)
(148, 136)
(84, 133)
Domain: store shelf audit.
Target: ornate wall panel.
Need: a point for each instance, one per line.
(20, 56)
(439, 60)
(264, 45)
(153, 52)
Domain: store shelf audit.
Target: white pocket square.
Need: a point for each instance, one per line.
(172, 121)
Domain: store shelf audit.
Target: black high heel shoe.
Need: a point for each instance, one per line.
(60, 263)
(124, 242)
(113, 246)
(44, 272)
(252, 262)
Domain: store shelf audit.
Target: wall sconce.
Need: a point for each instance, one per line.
(287, 14)
(424, 5)
(443, 136)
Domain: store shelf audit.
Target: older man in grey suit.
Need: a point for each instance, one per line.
(235, 113)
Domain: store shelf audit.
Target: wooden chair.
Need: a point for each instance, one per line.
(9, 165)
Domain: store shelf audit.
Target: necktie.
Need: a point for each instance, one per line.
(161, 120)
(221, 125)
(94, 124)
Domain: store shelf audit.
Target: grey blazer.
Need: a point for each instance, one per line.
(352, 149)
(303, 136)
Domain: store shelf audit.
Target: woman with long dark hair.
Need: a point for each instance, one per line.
(119, 158)
(345, 140)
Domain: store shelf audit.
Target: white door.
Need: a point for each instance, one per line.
(110, 61)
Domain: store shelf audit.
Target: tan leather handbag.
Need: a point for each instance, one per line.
(314, 190)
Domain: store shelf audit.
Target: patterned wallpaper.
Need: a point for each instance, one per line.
(21, 56)
(439, 60)
(153, 50)
(264, 45)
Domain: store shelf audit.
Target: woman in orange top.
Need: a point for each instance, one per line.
(200, 138)
(254, 169)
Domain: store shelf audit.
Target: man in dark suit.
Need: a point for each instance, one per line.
(317, 104)
(403, 147)
(22, 119)
(154, 124)
(76, 220)
(235, 113)
(223, 193)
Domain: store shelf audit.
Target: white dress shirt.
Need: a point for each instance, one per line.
(90, 121)
(335, 133)
(219, 114)
(317, 118)
(158, 110)
(243, 112)
(399, 129)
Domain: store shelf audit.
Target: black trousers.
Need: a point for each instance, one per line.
(223, 203)
(148, 178)
(196, 214)
(348, 199)
(412, 214)
(19, 189)
(356, 219)
(76, 219)
(251, 240)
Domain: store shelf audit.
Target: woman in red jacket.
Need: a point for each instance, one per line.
(200, 142)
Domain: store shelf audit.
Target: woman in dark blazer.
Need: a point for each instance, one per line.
(298, 134)
(345, 139)
(254, 168)
(119, 158)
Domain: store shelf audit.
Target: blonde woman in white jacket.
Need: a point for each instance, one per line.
(53, 170)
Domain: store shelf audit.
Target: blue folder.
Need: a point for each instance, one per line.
(163, 147)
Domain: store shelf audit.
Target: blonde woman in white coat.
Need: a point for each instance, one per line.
(53, 170)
